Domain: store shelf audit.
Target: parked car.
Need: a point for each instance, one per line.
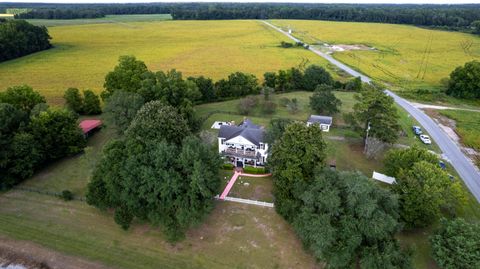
(417, 130)
(425, 139)
(442, 165)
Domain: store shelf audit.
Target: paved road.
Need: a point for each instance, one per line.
(464, 166)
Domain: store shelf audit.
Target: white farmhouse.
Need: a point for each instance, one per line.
(323, 121)
(243, 145)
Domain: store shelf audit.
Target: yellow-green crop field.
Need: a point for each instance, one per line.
(83, 54)
(404, 56)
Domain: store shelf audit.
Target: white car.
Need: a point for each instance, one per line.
(425, 139)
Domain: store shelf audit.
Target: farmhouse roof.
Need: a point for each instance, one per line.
(246, 129)
(88, 125)
(320, 119)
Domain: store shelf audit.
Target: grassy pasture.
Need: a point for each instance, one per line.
(405, 56)
(83, 54)
(467, 126)
(107, 19)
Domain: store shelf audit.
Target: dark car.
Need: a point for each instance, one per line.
(442, 165)
(417, 130)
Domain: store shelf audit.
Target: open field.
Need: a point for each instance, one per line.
(403, 56)
(83, 54)
(467, 126)
(107, 19)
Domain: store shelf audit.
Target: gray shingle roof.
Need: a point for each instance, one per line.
(246, 129)
(320, 119)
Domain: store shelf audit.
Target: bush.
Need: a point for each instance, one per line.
(254, 170)
(66, 195)
(73, 100)
(284, 44)
(246, 105)
(269, 107)
(91, 103)
(228, 166)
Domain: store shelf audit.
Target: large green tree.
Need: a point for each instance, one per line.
(424, 190)
(376, 118)
(73, 100)
(323, 101)
(456, 244)
(293, 160)
(91, 103)
(157, 173)
(57, 133)
(348, 221)
(275, 130)
(157, 121)
(121, 107)
(465, 81)
(23, 97)
(476, 27)
(206, 88)
(315, 75)
(126, 76)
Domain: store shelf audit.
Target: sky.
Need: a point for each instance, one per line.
(287, 1)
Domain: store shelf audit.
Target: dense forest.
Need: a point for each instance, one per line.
(19, 38)
(61, 14)
(444, 16)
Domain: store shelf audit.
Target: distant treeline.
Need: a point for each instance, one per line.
(444, 16)
(61, 14)
(19, 38)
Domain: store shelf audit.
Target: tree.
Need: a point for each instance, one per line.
(126, 76)
(315, 75)
(242, 84)
(163, 183)
(173, 90)
(465, 81)
(354, 85)
(425, 189)
(25, 156)
(348, 221)
(323, 101)
(246, 105)
(74, 100)
(275, 130)
(476, 27)
(57, 133)
(456, 244)
(91, 103)
(121, 107)
(22, 97)
(156, 121)
(296, 79)
(206, 88)
(269, 79)
(19, 38)
(293, 160)
(398, 161)
(377, 117)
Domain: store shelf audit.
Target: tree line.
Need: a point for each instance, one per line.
(61, 14)
(19, 38)
(443, 16)
(33, 134)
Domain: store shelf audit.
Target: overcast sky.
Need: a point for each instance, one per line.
(287, 1)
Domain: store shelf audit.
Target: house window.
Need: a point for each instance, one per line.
(262, 146)
(222, 141)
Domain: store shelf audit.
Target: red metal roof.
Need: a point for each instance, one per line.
(88, 125)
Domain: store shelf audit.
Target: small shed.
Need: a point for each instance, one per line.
(323, 121)
(383, 178)
(89, 126)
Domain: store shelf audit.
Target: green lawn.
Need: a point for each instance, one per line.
(467, 126)
(253, 188)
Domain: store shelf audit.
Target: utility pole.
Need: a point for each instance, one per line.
(366, 139)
